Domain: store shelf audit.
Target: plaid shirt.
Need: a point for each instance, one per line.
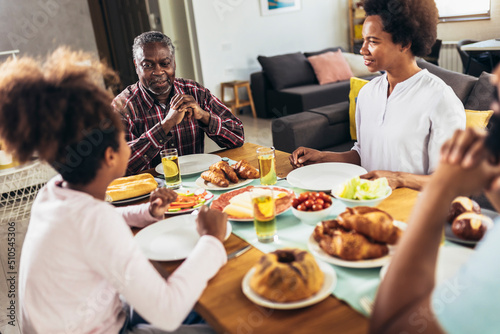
(141, 115)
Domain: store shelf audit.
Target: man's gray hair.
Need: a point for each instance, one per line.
(151, 37)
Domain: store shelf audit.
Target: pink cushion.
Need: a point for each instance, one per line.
(330, 67)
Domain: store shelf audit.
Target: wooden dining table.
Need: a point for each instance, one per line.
(223, 304)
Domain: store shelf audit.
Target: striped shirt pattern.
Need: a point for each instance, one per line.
(141, 115)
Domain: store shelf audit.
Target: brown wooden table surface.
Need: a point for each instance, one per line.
(226, 308)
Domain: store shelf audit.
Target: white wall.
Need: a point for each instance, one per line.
(232, 33)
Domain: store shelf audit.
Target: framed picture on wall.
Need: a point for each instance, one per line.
(271, 7)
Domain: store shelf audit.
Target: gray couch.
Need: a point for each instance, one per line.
(287, 85)
(327, 128)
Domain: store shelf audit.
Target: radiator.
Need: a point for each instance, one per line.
(449, 57)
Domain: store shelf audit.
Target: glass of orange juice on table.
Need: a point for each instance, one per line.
(267, 165)
(264, 214)
(170, 162)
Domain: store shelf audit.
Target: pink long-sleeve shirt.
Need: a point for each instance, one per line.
(79, 255)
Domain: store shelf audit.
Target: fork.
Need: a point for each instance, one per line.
(366, 304)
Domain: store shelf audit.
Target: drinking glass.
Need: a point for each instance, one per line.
(264, 213)
(170, 162)
(267, 165)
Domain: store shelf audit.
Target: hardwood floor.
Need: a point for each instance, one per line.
(257, 131)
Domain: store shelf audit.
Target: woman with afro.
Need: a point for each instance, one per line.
(79, 254)
(405, 115)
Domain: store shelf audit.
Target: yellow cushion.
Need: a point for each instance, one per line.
(477, 118)
(356, 84)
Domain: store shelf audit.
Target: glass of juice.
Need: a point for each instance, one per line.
(170, 162)
(264, 214)
(267, 165)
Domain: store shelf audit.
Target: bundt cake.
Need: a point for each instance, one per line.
(287, 275)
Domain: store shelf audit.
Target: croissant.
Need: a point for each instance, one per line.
(347, 245)
(245, 170)
(371, 222)
(226, 169)
(215, 177)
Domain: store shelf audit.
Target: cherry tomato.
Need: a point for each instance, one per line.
(301, 207)
(320, 201)
(309, 203)
(313, 195)
(295, 202)
(326, 205)
(317, 207)
(303, 197)
(326, 198)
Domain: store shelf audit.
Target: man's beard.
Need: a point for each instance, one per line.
(164, 91)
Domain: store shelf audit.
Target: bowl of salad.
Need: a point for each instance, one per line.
(360, 192)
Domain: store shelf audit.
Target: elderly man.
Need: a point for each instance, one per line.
(161, 111)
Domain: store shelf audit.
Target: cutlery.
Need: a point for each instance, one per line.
(366, 304)
(238, 252)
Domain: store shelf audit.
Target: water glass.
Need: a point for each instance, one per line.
(264, 213)
(267, 165)
(170, 162)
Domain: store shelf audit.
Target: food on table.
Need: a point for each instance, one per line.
(238, 203)
(216, 177)
(245, 170)
(130, 186)
(220, 173)
(346, 244)
(226, 169)
(361, 189)
(460, 205)
(371, 222)
(312, 201)
(469, 226)
(287, 275)
(189, 199)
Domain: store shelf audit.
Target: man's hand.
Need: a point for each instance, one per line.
(305, 156)
(160, 200)
(188, 105)
(211, 222)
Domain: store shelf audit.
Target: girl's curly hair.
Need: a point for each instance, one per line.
(408, 21)
(60, 111)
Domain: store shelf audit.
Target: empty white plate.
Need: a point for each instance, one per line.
(323, 177)
(193, 163)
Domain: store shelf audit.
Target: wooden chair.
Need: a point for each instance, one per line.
(236, 104)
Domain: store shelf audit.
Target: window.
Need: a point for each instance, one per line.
(459, 10)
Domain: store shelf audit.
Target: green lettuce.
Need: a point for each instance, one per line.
(361, 189)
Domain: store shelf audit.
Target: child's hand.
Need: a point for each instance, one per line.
(160, 200)
(212, 222)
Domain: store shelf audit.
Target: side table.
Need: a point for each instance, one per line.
(236, 104)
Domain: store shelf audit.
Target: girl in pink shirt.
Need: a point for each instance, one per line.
(79, 258)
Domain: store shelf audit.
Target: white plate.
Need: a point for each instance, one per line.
(193, 163)
(171, 239)
(207, 201)
(326, 290)
(449, 235)
(323, 177)
(207, 185)
(449, 261)
(372, 263)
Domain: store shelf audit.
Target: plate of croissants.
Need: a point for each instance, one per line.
(467, 222)
(360, 237)
(222, 176)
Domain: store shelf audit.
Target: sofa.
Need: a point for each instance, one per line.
(327, 127)
(288, 84)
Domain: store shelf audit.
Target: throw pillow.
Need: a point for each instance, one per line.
(357, 65)
(315, 53)
(481, 95)
(477, 118)
(330, 67)
(356, 84)
(289, 70)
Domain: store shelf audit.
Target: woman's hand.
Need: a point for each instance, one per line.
(159, 201)
(305, 156)
(212, 222)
